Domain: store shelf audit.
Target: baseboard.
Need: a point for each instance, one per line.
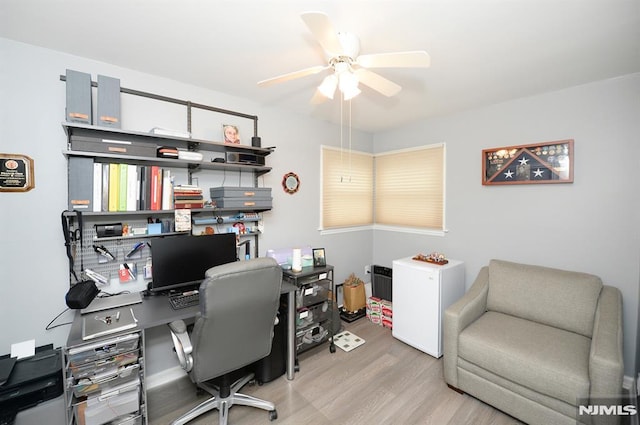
(164, 377)
(630, 385)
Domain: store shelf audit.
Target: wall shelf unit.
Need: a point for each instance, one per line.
(89, 145)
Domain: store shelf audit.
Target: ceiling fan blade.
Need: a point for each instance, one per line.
(320, 26)
(377, 82)
(293, 75)
(414, 59)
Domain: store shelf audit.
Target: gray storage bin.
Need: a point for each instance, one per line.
(242, 203)
(119, 147)
(240, 192)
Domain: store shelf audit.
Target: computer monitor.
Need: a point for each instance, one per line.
(182, 261)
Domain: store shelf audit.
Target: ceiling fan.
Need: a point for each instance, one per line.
(347, 66)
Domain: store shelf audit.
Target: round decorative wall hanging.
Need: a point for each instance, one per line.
(291, 183)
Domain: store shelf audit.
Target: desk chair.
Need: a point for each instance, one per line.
(238, 306)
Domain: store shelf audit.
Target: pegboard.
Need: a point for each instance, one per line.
(88, 258)
(118, 247)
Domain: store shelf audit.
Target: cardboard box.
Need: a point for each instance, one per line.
(354, 297)
(374, 317)
(386, 308)
(374, 304)
(386, 322)
(380, 312)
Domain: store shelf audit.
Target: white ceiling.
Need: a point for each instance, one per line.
(482, 51)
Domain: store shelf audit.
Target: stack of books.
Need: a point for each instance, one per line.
(187, 196)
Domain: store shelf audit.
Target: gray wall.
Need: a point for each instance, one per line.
(591, 225)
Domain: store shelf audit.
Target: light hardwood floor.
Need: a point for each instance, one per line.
(383, 381)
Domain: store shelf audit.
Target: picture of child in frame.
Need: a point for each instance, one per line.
(231, 134)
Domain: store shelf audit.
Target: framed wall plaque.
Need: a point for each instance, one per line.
(550, 162)
(16, 173)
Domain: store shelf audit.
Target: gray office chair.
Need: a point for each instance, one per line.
(238, 307)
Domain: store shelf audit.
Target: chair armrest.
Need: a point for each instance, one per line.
(182, 344)
(457, 317)
(606, 365)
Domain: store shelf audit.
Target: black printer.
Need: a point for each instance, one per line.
(32, 380)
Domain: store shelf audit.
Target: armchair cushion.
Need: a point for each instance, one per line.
(563, 299)
(544, 359)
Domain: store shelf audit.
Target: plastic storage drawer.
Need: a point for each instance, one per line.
(117, 403)
(108, 379)
(90, 353)
(104, 365)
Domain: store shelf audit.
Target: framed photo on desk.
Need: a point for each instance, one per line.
(319, 259)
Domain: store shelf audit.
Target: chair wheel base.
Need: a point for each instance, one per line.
(273, 415)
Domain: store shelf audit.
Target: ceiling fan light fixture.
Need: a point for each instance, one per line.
(350, 93)
(328, 86)
(349, 85)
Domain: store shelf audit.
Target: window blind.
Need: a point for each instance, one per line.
(347, 190)
(409, 187)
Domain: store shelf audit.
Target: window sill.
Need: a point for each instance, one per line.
(412, 230)
(344, 230)
(401, 229)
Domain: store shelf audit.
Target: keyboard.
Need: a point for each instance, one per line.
(184, 300)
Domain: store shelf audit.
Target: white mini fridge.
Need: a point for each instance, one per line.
(421, 293)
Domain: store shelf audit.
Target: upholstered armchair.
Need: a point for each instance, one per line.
(536, 342)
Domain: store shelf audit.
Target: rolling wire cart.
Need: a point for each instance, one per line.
(315, 306)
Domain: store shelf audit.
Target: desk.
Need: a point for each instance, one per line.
(155, 310)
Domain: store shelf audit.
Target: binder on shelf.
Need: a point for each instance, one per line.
(167, 190)
(132, 187)
(108, 101)
(122, 187)
(114, 186)
(105, 187)
(156, 187)
(143, 202)
(80, 184)
(78, 90)
(97, 187)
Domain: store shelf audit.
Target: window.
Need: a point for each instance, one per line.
(347, 188)
(398, 189)
(409, 188)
